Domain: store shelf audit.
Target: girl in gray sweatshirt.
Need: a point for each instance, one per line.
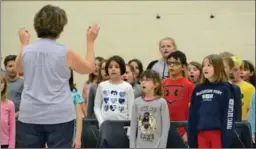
(150, 121)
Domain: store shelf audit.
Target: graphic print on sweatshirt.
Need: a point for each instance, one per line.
(147, 123)
(208, 94)
(173, 93)
(213, 106)
(114, 100)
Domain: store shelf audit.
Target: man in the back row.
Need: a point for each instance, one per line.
(166, 46)
(14, 82)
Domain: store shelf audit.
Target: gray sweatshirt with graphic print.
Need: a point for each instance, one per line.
(150, 124)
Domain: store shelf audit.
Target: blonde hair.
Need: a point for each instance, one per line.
(4, 91)
(234, 61)
(238, 62)
(169, 39)
(219, 69)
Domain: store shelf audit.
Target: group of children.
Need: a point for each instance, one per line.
(211, 97)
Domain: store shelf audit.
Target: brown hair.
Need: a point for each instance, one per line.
(218, 66)
(198, 66)
(100, 79)
(226, 55)
(9, 58)
(91, 75)
(140, 66)
(170, 39)
(4, 91)
(230, 62)
(151, 74)
(132, 70)
(49, 22)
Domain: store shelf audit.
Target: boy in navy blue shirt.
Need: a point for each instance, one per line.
(211, 115)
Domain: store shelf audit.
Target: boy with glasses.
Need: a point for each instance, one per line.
(178, 89)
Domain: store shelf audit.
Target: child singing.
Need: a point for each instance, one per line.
(178, 90)
(114, 97)
(150, 116)
(211, 115)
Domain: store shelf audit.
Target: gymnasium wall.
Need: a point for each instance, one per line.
(130, 29)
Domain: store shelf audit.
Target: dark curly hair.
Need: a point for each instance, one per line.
(49, 22)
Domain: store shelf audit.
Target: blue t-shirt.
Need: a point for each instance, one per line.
(77, 99)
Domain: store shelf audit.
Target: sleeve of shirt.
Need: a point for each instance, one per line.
(91, 98)
(130, 98)
(88, 91)
(133, 125)
(12, 127)
(228, 122)
(252, 115)
(20, 93)
(193, 121)
(85, 90)
(247, 101)
(190, 92)
(151, 64)
(165, 124)
(77, 98)
(238, 103)
(97, 105)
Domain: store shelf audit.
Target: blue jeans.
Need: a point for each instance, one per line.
(37, 135)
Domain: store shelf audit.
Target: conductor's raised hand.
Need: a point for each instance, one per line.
(92, 32)
(24, 36)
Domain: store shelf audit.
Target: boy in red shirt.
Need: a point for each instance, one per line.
(178, 89)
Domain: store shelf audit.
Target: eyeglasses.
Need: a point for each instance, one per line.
(173, 63)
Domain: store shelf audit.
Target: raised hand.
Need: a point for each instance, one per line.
(24, 36)
(92, 32)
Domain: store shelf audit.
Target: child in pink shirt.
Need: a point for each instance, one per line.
(8, 124)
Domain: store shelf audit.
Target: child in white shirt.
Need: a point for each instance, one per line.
(114, 97)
